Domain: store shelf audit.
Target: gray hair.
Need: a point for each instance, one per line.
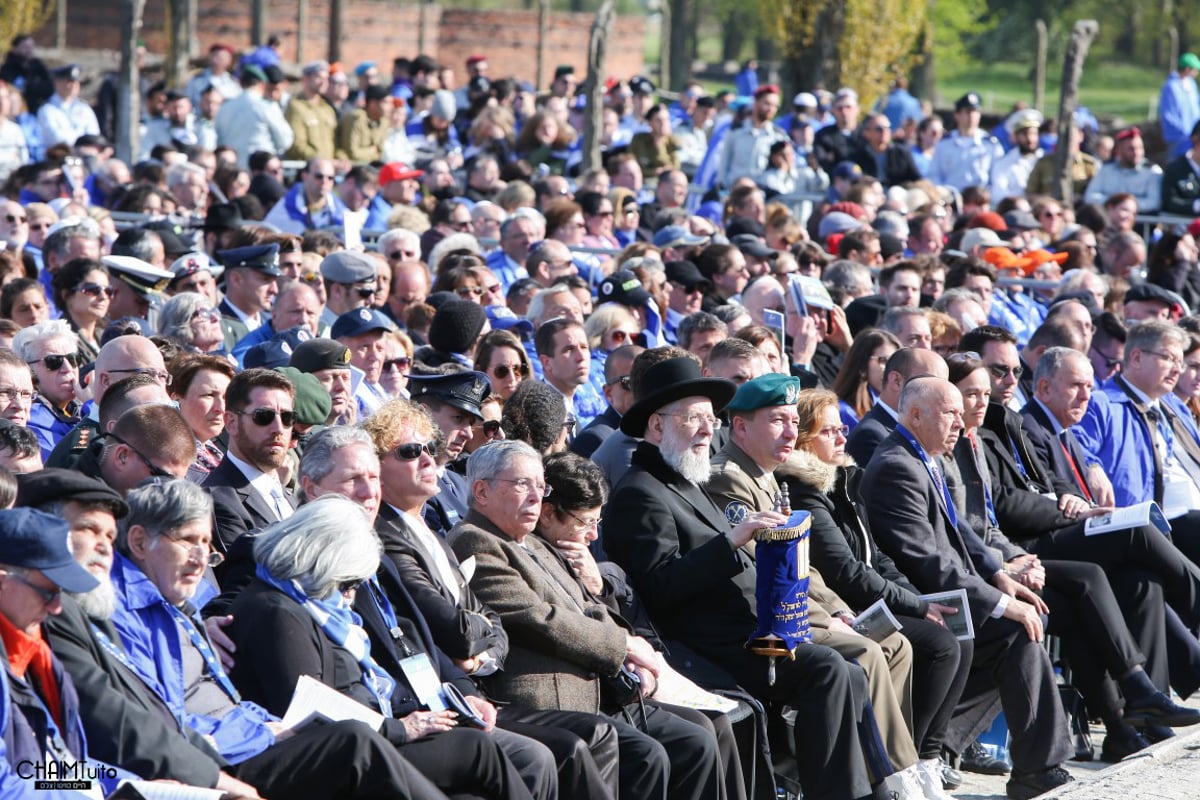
(1153, 333)
(160, 506)
(177, 172)
(490, 460)
(59, 242)
(326, 542)
(537, 306)
(455, 241)
(25, 343)
(1053, 359)
(955, 295)
(317, 462)
(603, 317)
(175, 317)
(847, 276)
(698, 322)
(891, 320)
(396, 235)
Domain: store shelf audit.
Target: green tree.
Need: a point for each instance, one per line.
(23, 16)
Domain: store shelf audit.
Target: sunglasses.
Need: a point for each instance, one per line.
(620, 337)
(1001, 371)
(626, 382)
(47, 596)
(54, 362)
(155, 471)
(207, 314)
(262, 417)
(467, 291)
(346, 587)
(95, 290)
(401, 363)
(502, 372)
(412, 450)
(569, 424)
(491, 428)
(365, 292)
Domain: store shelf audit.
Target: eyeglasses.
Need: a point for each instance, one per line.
(13, 219)
(10, 393)
(412, 450)
(200, 553)
(48, 595)
(321, 176)
(1171, 360)
(162, 377)
(625, 382)
(364, 292)
(526, 485)
(620, 337)
(495, 288)
(694, 420)
(584, 524)
(310, 277)
(95, 290)
(569, 424)
(55, 361)
(206, 314)
(346, 587)
(1001, 371)
(834, 431)
(502, 371)
(491, 428)
(1109, 361)
(262, 417)
(401, 363)
(467, 291)
(156, 471)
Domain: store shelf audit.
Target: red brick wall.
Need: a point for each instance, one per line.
(378, 30)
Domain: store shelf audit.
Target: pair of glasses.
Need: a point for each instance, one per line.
(1000, 371)
(694, 420)
(262, 417)
(1109, 362)
(324, 177)
(584, 524)
(10, 393)
(491, 428)
(310, 278)
(206, 314)
(504, 370)
(199, 553)
(620, 337)
(13, 219)
(346, 587)
(412, 450)
(626, 382)
(95, 290)
(365, 292)
(834, 431)
(1178, 363)
(467, 291)
(155, 471)
(48, 596)
(527, 485)
(569, 424)
(401, 363)
(55, 361)
(162, 377)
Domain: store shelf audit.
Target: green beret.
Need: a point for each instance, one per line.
(312, 403)
(765, 391)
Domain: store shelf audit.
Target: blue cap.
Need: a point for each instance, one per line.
(677, 236)
(359, 321)
(847, 170)
(32, 539)
(463, 390)
(503, 319)
(276, 352)
(262, 258)
(766, 391)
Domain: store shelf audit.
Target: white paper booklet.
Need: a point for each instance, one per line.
(1147, 513)
(313, 701)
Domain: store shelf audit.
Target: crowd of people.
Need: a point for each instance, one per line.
(481, 442)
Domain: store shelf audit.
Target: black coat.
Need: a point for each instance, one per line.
(868, 434)
(1039, 430)
(596, 432)
(898, 165)
(237, 506)
(841, 546)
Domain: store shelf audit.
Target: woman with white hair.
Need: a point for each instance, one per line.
(51, 349)
(295, 619)
(190, 320)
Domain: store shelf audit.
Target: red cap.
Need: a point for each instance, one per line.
(397, 172)
(853, 209)
(832, 242)
(769, 88)
(988, 219)
(1128, 133)
(475, 59)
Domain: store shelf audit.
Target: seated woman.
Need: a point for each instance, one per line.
(860, 378)
(198, 384)
(23, 300)
(295, 619)
(82, 291)
(190, 321)
(822, 480)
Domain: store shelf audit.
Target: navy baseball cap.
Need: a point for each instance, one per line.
(262, 258)
(359, 321)
(32, 539)
(503, 319)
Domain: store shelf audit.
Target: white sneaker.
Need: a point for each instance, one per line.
(929, 778)
(904, 784)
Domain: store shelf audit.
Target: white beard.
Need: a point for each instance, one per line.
(99, 603)
(677, 452)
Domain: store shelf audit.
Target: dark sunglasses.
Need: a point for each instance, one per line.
(1000, 371)
(95, 289)
(502, 371)
(403, 362)
(412, 450)
(155, 471)
(262, 417)
(491, 427)
(54, 362)
(365, 292)
(569, 424)
(345, 587)
(626, 382)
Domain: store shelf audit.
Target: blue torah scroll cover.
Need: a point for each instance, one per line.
(782, 592)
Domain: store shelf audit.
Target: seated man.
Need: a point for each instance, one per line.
(562, 640)
(880, 421)
(698, 581)
(914, 521)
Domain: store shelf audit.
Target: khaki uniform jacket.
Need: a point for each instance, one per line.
(315, 124)
(359, 139)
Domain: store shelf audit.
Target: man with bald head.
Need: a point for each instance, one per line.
(905, 364)
(915, 522)
(763, 294)
(119, 358)
(618, 391)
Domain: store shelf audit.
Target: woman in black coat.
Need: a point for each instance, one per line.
(821, 479)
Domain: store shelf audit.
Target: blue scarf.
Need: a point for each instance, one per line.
(344, 628)
(332, 215)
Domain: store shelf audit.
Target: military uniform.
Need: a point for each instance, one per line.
(1082, 169)
(314, 124)
(1181, 187)
(961, 161)
(83, 439)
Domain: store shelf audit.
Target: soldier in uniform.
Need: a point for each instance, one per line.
(965, 157)
(250, 288)
(1082, 168)
(136, 283)
(454, 403)
(764, 423)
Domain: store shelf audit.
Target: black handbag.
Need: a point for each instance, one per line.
(1076, 710)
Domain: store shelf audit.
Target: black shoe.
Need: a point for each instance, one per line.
(1157, 733)
(976, 759)
(1157, 709)
(1122, 741)
(951, 778)
(1032, 784)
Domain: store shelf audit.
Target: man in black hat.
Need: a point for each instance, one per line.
(329, 362)
(250, 286)
(221, 221)
(1148, 301)
(965, 156)
(687, 286)
(695, 574)
(65, 116)
(453, 401)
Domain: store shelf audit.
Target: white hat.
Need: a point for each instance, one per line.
(143, 276)
(191, 263)
(980, 236)
(1020, 120)
(805, 100)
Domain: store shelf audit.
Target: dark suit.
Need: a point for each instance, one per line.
(872, 429)
(596, 432)
(130, 726)
(238, 506)
(912, 524)
(447, 508)
(898, 164)
(670, 537)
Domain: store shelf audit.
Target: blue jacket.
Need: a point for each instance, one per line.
(1178, 112)
(1114, 435)
(152, 641)
(48, 425)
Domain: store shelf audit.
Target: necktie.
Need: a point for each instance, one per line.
(1079, 481)
(283, 509)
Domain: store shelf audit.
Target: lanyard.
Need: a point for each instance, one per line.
(934, 473)
(206, 652)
